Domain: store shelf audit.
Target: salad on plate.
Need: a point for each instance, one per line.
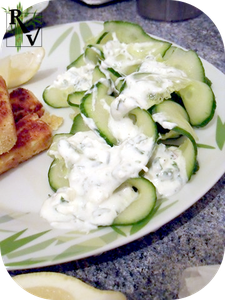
(133, 140)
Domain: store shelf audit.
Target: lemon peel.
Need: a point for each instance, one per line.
(57, 286)
(20, 68)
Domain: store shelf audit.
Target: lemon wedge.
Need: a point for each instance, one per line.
(19, 68)
(56, 286)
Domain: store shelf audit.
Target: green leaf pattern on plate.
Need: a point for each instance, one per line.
(32, 249)
(12, 243)
(60, 40)
(75, 43)
(205, 146)
(220, 133)
(75, 49)
(85, 31)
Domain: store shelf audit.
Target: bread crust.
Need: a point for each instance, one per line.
(8, 136)
(33, 137)
(33, 126)
(24, 102)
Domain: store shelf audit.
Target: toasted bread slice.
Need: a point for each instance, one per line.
(33, 137)
(8, 135)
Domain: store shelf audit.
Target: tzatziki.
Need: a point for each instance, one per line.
(153, 83)
(96, 171)
(167, 170)
(162, 119)
(79, 79)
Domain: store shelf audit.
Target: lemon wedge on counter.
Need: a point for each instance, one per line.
(19, 68)
(56, 286)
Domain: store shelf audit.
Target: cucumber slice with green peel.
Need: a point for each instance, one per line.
(71, 81)
(187, 61)
(74, 99)
(78, 125)
(93, 106)
(144, 121)
(115, 78)
(189, 151)
(142, 206)
(127, 33)
(171, 115)
(141, 50)
(56, 97)
(114, 74)
(104, 38)
(93, 53)
(57, 174)
(199, 101)
(169, 135)
(97, 75)
(55, 140)
(78, 62)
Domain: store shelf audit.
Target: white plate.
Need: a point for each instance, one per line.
(26, 239)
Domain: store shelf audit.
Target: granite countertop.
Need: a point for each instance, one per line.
(150, 267)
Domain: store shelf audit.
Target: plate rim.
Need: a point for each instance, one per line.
(137, 235)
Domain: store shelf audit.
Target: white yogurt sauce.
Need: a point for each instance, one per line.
(162, 119)
(79, 79)
(167, 170)
(117, 56)
(96, 170)
(153, 83)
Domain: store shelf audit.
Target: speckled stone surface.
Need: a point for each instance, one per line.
(150, 267)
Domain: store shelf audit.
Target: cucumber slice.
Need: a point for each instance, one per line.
(57, 174)
(127, 33)
(141, 50)
(72, 80)
(104, 38)
(58, 97)
(199, 101)
(57, 171)
(189, 151)
(115, 78)
(114, 74)
(78, 125)
(93, 53)
(142, 206)
(97, 75)
(53, 148)
(55, 97)
(78, 62)
(187, 61)
(74, 99)
(144, 121)
(93, 106)
(173, 113)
